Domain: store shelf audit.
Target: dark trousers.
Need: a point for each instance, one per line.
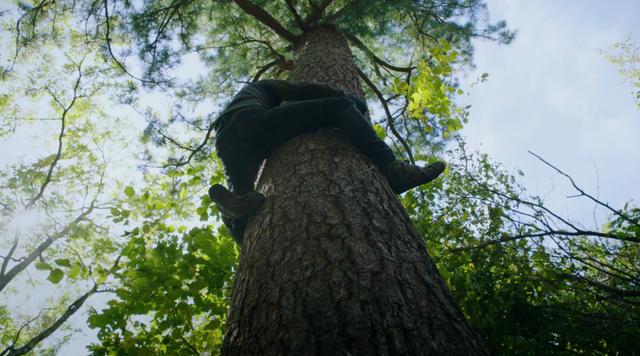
(249, 135)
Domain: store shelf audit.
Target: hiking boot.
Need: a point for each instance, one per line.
(235, 206)
(404, 176)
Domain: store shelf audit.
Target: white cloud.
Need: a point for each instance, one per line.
(553, 92)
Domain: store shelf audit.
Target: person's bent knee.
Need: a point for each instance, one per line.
(344, 102)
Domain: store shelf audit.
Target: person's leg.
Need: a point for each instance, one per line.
(282, 123)
(361, 134)
(400, 175)
(287, 121)
(239, 151)
(235, 209)
(248, 136)
(235, 145)
(236, 228)
(241, 163)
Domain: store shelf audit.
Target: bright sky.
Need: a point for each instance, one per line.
(553, 92)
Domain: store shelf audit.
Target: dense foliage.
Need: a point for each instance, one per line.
(126, 222)
(528, 280)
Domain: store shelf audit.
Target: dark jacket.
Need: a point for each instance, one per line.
(269, 94)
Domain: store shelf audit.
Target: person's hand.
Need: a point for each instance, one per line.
(360, 104)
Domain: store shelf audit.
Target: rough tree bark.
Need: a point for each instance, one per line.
(331, 264)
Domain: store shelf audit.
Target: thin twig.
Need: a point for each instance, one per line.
(72, 309)
(358, 43)
(388, 113)
(11, 348)
(111, 54)
(184, 340)
(194, 151)
(9, 275)
(65, 111)
(583, 193)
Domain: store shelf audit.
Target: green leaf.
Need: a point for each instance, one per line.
(75, 271)
(55, 276)
(63, 262)
(380, 131)
(129, 191)
(102, 277)
(43, 266)
(98, 320)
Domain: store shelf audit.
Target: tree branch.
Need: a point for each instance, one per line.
(583, 193)
(317, 12)
(499, 241)
(281, 63)
(601, 266)
(266, 19)
(65, 111)
(530, 204)
(34, 11)
(169, 138)
(358, 43)
(72, 309)
(296, 15)
(26, 261)
(10, 348)
(194, 151)
(191, 347)
(173, 7)
(7, 258)
(549, 230)
(263, 69)
(113, 56)
(388, 114)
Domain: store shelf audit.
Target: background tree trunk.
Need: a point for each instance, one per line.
(331, 264)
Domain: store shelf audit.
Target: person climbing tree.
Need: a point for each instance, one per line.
(267, 113)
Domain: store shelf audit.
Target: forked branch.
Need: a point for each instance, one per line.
(587, 195)
(387, 112)
(358, 43)
(7, 258)
(266, 19)
(318, 11)
(72, 309)
(110, 50)
(26, 261)
(296, 15)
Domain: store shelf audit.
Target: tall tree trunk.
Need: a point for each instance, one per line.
(332, 265)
